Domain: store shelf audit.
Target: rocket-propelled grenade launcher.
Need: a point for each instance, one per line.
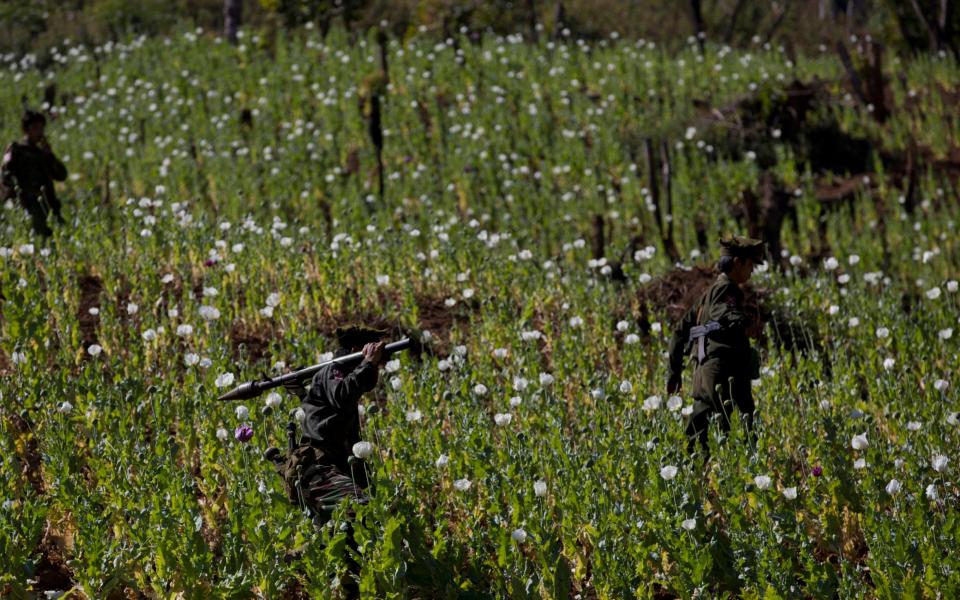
(252, 389)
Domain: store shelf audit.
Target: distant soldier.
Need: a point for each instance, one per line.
(320, 471)
(715, 329)
(28, 171)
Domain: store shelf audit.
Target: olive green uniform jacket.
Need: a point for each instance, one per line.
(723, 377)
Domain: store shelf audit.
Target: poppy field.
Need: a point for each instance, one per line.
(536, 216)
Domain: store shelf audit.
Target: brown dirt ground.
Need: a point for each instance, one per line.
(29, 458)
(90, 288)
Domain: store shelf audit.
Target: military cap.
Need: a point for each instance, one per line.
(743, 247)
(353, 336)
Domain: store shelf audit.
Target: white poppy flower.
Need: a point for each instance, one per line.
(540, 488)
(462, 485)
(651, 403)
(546, 379)
(224, 379)
(242, 412)
(414, 416)
(65, 408)
(362, 450)
(502, 419)
(519, 536)
(893, 488)
(939, 462)
(184, 330)
(931, 492)
(480, 389)
(762, 482)
(209, 313)
(273, 400)
(689, 524)
(859, 464)
(191, 359)
(859, 442)
(149, 335)
(222, 434)
(790, 493)
(631, 339)
(132, 308)
(94, 349)
(626, 387)
(442, 461)
(674, 403)
(668, 472)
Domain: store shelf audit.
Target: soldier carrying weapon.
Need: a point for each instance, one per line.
(319, 470)
(716, 327)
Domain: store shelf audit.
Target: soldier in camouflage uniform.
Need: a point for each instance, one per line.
(28, 171)
(715, 329)
(320, 472)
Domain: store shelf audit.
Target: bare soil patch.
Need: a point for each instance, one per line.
(90, 288)
(27, 452)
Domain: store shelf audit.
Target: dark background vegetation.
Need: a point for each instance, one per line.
(915, 25)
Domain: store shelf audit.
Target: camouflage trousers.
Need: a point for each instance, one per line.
(312, 482)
